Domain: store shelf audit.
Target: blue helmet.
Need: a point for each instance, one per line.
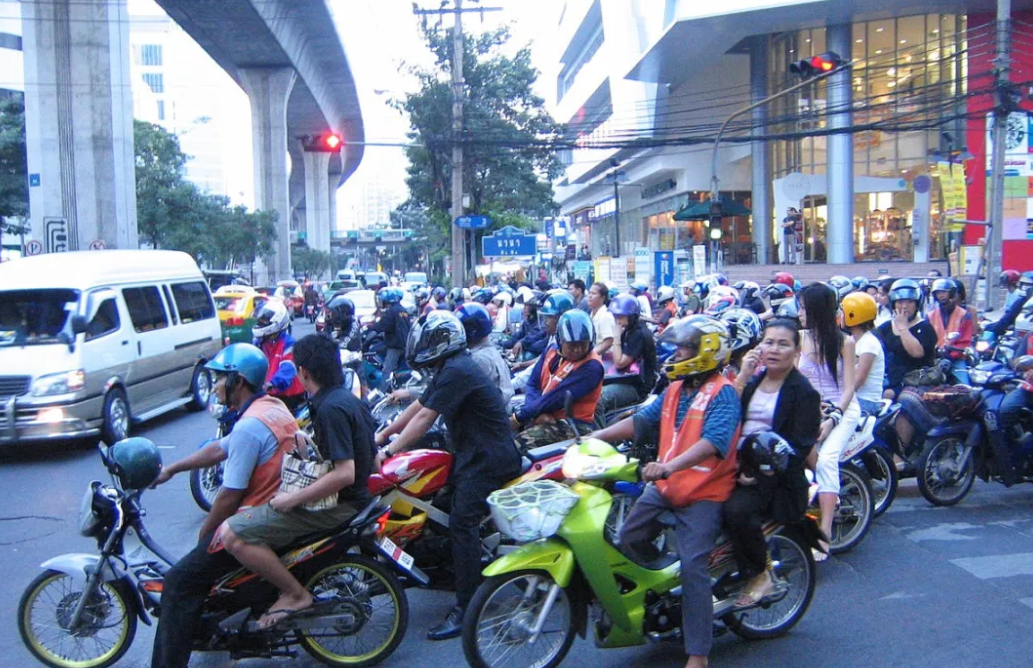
(625, 304)
(638, 287)
(575, 326)
(242, 359)
(476, 321)
(439, 294)
(390, 295)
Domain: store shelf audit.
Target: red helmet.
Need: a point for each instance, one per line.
(1009, 277)
(785, 278)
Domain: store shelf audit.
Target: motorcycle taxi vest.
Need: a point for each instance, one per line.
(265, 479)
(954, 324)
(554, 370)
(713, 479)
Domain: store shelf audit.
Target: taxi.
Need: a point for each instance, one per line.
(237, 307)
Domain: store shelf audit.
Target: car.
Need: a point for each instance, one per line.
(416, 277)
(338, 286)
(375, 278)
(292, 295)
(93, 343)
(237, 311)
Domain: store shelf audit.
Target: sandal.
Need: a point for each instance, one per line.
(821, 555)
(754, 597)
(274, 617)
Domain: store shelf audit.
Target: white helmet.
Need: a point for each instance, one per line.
(664, 294)
(271, 318)
(690, 284)
(525, 295)
(724, 291)
(466, 294)
(504, 297)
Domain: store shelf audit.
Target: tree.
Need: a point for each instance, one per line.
(511, 181)
(312, 263)
(14, 184)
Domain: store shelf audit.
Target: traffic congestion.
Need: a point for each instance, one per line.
(635, 464)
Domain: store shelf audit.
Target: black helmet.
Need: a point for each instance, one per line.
(905, 288)
(948, 285)
(433, 337)
(341, 310)
(764, 452)
(135, 462)
(575, 327)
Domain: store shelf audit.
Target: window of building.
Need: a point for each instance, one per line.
(161, 110)
(193, 301)
(155, 80)
(146, 309)
(571, 70)
(150, 55)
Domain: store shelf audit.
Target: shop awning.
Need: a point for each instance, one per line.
(701, 210)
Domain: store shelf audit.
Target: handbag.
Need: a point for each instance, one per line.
(301, 467)
(929, 376)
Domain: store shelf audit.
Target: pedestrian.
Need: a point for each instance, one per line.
(602, 319)
(577, 288)
(789, 235)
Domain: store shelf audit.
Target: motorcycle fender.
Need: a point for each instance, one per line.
(950, 429)
(551, 555)
(79, 565)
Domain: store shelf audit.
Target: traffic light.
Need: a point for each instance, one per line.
(328, 142)
(810, 67)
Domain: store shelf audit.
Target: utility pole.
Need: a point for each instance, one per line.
(615, 175)
(1002, 109)
(460, 270)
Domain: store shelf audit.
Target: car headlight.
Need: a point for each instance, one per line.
(59, 383)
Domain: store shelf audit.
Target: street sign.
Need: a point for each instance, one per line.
(33, 247)
(699, 260)
(34, 180)
(473, 222)
(664, 272)
(643, 264)
(509, 242)
(56, 234)
(97, 244)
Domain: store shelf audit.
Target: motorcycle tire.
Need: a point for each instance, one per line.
(205, 485)
(856, 501)
(794, 565)
(939, 481)
(487, 596)
(113, 593)
(882, 473)
(364, 578)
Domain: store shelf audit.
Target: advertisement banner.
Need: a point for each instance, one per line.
(602, 269)
(619, 272)
(682, 266)
(583, 270)
(643, 264)
(699, 260)
(664, 268)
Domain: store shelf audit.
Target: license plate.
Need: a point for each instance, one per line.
(395, 553)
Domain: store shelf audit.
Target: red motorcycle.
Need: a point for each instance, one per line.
(414, 485)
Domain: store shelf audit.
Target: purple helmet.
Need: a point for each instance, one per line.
(624, 304)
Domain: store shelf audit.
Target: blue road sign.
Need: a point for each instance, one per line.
(473, 222)
(509, 242)
(663, 268)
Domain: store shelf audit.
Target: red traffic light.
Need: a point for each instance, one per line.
(332, 141)
(816, 65)
(329, 142)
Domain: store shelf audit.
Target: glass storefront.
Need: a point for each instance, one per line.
(909, 73)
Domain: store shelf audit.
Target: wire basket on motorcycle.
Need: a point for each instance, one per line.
(531, 511)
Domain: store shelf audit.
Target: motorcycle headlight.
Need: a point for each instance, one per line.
(59, 383)
(95, 509)
(978, 376)
(982, 346)
(578, 466)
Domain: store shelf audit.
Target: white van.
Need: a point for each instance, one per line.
(93, 342)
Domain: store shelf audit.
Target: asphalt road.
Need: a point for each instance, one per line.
(928, 587)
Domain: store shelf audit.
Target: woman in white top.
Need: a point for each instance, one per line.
(883, 312)
(603, 321)
(859, 312)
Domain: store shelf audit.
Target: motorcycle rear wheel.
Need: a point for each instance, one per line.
(855, 510)
(503, 611)
(940, 480)
(368, 588)
(795, 567)
(47, 606)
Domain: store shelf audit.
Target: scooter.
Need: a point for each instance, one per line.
(867, 450)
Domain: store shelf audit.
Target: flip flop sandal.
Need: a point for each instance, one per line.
(283, 613)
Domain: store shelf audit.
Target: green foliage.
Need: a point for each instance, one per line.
(14, 183)
(172, 213)
(312, 263)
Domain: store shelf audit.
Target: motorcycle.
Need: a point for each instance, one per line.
(83, 609)
(867, 450)
(536, 598)
(312, 311)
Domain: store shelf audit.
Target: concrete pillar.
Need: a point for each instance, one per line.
(317, 200)
(761, 165)
(840, 241)
(335, 183)
(79, 123)
(268, 89)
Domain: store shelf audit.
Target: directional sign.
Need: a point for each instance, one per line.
(56, 234)
(34, 247)
(473, 222)
(509, 242)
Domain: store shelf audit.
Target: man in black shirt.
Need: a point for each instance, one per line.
(344, 435)
(478, 426)
(394, 323)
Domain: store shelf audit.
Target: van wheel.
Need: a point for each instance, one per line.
(116, 417)
(200, 389)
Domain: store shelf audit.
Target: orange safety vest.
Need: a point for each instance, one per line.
(713, 479)
(265, 479)
(935, 317)
(584, 408)
(671, 308)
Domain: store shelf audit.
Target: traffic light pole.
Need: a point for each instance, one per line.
(1002, 64)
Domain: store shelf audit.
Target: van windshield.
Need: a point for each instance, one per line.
(35, 317)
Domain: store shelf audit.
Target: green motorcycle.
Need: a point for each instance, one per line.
(537, 597)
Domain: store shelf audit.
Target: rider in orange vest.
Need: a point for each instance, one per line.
(948, 317)
(568, 366)
(698, 421)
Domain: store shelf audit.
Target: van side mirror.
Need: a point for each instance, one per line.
(78, 324)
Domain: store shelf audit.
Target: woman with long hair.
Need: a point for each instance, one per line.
(827, 361)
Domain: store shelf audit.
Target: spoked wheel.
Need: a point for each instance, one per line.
(945, 471)
(795, 575)
(499, 626)
(105, 631)
(854, 513)
(205, 485)
(374, 605)
(883, 478)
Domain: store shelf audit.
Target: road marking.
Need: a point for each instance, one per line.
(946, 531)
(1026, 601)
(1000, 566)
(899, 596)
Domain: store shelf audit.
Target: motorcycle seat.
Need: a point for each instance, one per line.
(372, 508)
(536, 455)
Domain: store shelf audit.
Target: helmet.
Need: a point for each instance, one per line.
(625, 304)
(765, 452)
(860, 282)
(340, 309)
(476, 321)
(439, 293)
(433, 337)
(524, 295)
(1009, 277)
(744, 327)
(842, 285)
(421, 294)
(904, 288)
(688, 283)
(748, 290)
(638, 287)
(721, 279)
(718, 303)
(790, 308)
(243, 359)
(709, 337)
(483, 296)
(455, 295)
(785, 278)
(777, 293)
(945, 285)
(557, 302)
(664, 294)
(390, 295)
(272, 318)
(859, 308)
(1026, 280)
(135, 462)
(504, 297)
(797, 286)
(575, 326)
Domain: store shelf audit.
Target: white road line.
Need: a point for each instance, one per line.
(1026, 601)
(946, 531)
(999, 566)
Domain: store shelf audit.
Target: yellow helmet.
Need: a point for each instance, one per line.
(709, 337)
(858, 308)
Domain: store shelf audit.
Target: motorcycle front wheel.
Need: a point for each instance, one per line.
(945, 471)
(499, 621)
(205, 485)
(883, 477)
(106, 628)
(371, 597)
